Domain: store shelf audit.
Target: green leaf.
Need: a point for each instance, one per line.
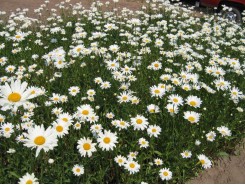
(158, 153)
(14, 174)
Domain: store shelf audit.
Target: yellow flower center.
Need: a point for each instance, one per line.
(223, 132)
(39, 140)
(7, 129)
(18, 37)
(152, 110)
(14, 97)
(59, 128)
(139, 121)
(86, 146)
(65, 119)
(1, 119)
(33, 92)
(202, 162)
(122, 123)
(29, 181)
(191, 119)
(85, 112)
(125, 98)
(156, 65)
(171, 110)
(78, 170)
(79, 49)
(157, 91)
(107, 140)
(132, 165)
(154, 130)
(165, 173)
(193, 103)
(175, 100)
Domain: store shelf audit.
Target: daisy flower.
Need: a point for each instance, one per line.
(165, 174)
(86, 147)
(139, 122)
(2, 118)
(91, 92)
(124, 97)
(132, 155)
(175, 99)
(7, 129)
(193, 101)
(28, 179)
(154, 130)
(56, 98)
(205, 162)
(84, 111)
(186, 154)
(143, 143)
(65, 118)
(96, 128)
(74, 90)
(14, 95)
(132, 166)
(78, 170)
(77, 126)
(153, 108)
(19, 36)
(158, 161)
(156, 65)
(192, 116)
(120, 160)
(107, 140)
(40, 138)
(157, 91)
(224, 131)
(122, 124)
(211, 136)
(172, 109)
(60, 128)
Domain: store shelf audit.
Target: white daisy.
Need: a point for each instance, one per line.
(192, 116)
(28, 179)
(143, 143)
(211, 136)
(78, 170)
(139, 122)
(224, 131)
(86, 147)
(186, 154)
(40, 138)
(193, 101)
(14, 95)
(175, 99)
(172, 109)
(205, 162)
(158, 161)
(165, 174)
(107, 140)
(154, 130)
(120, 160)
(132, 166)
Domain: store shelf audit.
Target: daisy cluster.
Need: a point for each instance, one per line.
(117, 96)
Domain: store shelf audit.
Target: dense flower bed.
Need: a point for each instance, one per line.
(97, 96)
